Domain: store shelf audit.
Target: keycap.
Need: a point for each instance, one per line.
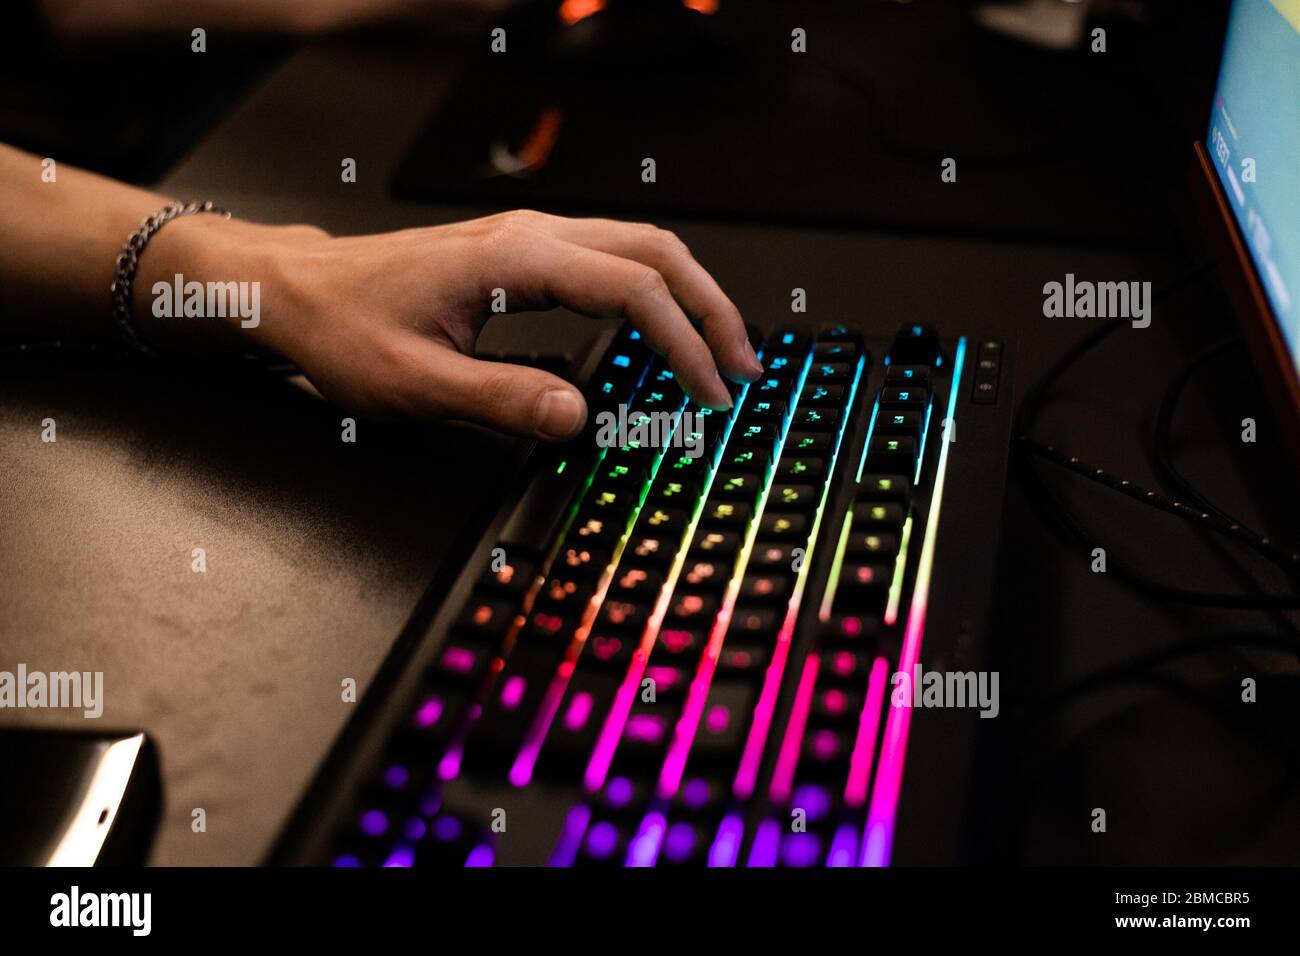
(486, 617)
(705, 573)
(800, 467)
(511, 575)
(918, 375)
(815, 419)
(663, 521)
(716, 542)
(754, 625)
(463, 661)
(787, 342)
(892, 453)
(736, 486)
(887, 488)
(634, 582)
(726, 515)
(807, 443)
(787, 525)
(689, 608)
(748, 458)
(773, 555)
(820, 394)
(793, 497)
(578, 720)
(872, 546)
(511, 707)
(893, 422)
(864, 587)
(914, 345)
(906, 398)
(829, 373)
(766, 586)
(878, 515)
(728, 712)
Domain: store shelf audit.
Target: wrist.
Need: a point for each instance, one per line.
(211, 284)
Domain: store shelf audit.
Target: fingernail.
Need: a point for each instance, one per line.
(755, 366)
(559, 414)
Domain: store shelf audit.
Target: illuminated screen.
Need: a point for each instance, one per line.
(1254, 139)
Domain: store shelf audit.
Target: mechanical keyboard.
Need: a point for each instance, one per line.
(676, 645)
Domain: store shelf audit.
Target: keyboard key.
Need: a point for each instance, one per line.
(705, 573)
(726, 515)
(634, 582)
(815, 419)
(822, 395)
(692, 609)
(877, 515)
(906, 398)
(617, 615)
(742, 660)
(577, 723)
(901, 375)
(808, 443)
(763, 411)
(728, 712)
(511, 706)
(871, 546)
(915, 345)
(581, 561)
(772, 555)
(892, 453)
(747, 458)
(678, 645)
(669, 522)
(566, 596)
(736, 486)
(887, 488)
(754, 625)
(790, 497)
(652, 547)
(463, 661)
(899, 423)
(486, 618)
(609, 650)
(829, 373)
(864, 588)
(673, 492)
(716, 542)
(760, 434)
(766, 587)
(800, 467)
(784, 524)
(511, 575)
(787, 342)
(835, 351)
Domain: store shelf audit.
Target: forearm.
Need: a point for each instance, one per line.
(62, 240)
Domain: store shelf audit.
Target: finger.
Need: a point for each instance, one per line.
(690, 283)
(596, 283)
(514, 399)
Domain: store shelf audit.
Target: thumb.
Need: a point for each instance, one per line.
(514, 399)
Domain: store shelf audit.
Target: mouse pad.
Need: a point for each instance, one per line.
(852, 132)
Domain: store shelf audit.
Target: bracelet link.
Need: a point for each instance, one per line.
(128, 261)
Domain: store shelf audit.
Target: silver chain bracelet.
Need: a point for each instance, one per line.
(129, 260)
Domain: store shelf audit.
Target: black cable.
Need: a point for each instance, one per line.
(1053, 509)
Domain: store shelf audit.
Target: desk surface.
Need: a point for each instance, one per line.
(317, 550)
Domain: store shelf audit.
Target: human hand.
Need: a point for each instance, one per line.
(386, 324)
